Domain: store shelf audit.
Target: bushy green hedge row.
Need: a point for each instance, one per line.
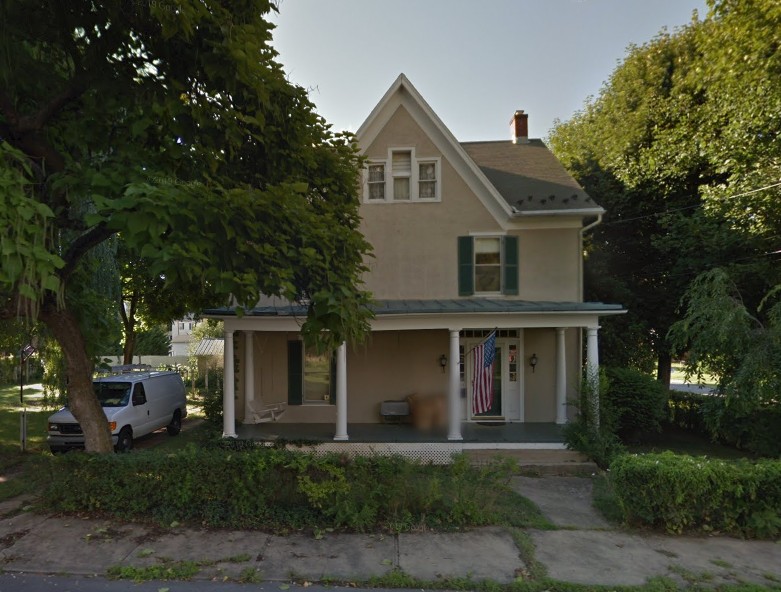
(757, 431)
(678, 493)
(278, 489)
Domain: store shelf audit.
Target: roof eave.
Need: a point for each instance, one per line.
(580, 212)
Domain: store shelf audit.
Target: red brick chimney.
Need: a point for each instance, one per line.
(519, 127)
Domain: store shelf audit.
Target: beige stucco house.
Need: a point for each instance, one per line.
(468, 237)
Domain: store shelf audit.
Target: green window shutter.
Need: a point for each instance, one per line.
(295, 372)
(466, 266)
(332, 379)
(510, 265)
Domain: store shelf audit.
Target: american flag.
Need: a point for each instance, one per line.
(483, 376)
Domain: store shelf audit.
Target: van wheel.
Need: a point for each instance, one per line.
(175, 426)
(125, 440)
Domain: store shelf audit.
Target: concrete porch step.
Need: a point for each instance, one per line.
(538, 461)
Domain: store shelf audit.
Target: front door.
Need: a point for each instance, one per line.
(507, 401)
(495, 410)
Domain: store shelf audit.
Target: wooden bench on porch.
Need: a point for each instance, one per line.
(394, 411)
(261, 413)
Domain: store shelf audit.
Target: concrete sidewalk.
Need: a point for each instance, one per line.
(585, 549)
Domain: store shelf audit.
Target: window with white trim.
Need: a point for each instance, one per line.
(403, 177)
(488, 264)
(376, 181)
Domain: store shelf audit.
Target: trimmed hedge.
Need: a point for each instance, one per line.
(680, 493)
(280, 489)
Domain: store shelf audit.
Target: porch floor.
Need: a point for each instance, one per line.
(482, 433)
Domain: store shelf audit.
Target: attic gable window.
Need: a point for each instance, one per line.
(403, 178)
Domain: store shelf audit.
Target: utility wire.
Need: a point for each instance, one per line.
(689, 207)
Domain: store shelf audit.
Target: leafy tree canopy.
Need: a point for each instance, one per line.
(681, 147)
(171, 127)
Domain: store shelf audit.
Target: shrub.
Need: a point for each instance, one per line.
(679, 492)
(635, 402)
(601, 445)
(755, 431)
(279, 489)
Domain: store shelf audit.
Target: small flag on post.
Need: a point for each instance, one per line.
(483, 376)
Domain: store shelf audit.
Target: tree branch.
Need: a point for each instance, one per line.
(81, 245)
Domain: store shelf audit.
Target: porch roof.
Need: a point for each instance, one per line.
(446, 306)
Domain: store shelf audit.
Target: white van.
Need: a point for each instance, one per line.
(135, 404)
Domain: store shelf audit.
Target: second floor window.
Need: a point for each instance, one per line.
(402, 177)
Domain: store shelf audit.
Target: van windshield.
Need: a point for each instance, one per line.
(112, 394)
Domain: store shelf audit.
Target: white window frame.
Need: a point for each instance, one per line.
(414, 175)
(477, 237)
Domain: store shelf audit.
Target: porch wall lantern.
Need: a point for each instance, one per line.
(533, 361)
(443, 362)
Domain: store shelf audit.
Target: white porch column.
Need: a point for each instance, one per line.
(592, 371)
(453, 390)
(561, 377)
(228, 402)
(341, 393)
(249, 372)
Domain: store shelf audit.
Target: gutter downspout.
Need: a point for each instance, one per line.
(583, 231)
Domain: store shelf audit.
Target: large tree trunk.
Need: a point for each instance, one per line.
(129, 347)
(664, 368)
(81, 397)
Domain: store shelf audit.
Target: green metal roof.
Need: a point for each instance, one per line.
(452, 306)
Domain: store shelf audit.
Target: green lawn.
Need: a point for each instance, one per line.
(37, 415)
(678, 375)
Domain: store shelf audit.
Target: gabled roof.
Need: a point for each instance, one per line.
(402, 92)
(502, 175)
(530, 178)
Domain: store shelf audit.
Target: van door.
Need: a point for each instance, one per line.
(141, 414)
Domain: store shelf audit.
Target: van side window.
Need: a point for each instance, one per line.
(139, 395)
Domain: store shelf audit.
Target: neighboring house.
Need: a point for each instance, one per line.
(182, 336)
(467, 237)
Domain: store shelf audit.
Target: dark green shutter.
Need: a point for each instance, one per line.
(295, 373)
(466, 267)
(510, 265)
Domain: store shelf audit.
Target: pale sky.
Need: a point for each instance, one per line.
(474, 62)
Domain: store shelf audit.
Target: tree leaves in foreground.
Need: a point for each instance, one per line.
(169, 127)
(682, 149)
(723, 336)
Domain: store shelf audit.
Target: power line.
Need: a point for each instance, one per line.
(690, 207)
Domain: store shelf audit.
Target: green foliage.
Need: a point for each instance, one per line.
(722, 336)
(278, 489)
(153, 341)
(601, 445)
(635, 403)
(171, 143)
(680, 493)
(212, 399)
(178, 570)
(681, 148)
(754, 431)
(593, 435)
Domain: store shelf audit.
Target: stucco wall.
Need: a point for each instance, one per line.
(415, 244)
